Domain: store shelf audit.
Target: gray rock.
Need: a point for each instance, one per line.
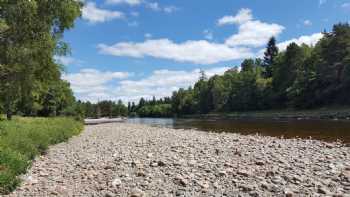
(136, 192)
(116, 182)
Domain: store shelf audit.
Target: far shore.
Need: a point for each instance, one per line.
(336, 113)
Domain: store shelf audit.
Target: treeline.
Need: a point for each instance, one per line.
(111, 109)
(301, 77)
(30, 37)
(151, 108)
(101, 109)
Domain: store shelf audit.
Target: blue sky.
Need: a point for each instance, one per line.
(127, 49)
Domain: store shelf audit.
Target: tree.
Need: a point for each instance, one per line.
(332, 66)
(248, 65)
(269, 57)
(30, 35)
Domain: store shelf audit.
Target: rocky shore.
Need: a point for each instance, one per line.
(121, 159)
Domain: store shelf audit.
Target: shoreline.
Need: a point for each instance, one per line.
(123, 159)
(315, 114)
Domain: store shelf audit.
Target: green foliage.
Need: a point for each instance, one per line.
(103, 109)
(160, 110)
(300, 77)
(31, 33)
(24, 138)
(269, 57)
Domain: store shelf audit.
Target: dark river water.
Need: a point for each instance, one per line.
(327, 130)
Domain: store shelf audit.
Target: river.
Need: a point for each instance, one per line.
(326, 130)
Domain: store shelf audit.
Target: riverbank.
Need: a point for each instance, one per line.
(22, 139)
(338, 113)
(121, 159)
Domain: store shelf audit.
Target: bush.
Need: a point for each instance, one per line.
(24, 138)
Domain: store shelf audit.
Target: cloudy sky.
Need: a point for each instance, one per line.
(127, 49)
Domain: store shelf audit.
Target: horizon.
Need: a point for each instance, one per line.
(128, 49)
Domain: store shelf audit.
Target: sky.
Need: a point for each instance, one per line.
(128, 49)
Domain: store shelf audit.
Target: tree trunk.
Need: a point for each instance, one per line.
(8, 106)
(9, 114)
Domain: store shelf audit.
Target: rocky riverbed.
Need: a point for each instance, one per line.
(121, 159)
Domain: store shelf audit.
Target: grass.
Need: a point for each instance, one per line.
(24, 138)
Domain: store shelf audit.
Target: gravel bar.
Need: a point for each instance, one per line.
(122, 159)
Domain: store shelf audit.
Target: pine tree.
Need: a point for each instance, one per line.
(269, 57)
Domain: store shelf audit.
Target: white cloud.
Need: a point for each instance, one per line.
(148, 35)
(162, 83)
(94, 85)
(134, 14)
(129, 2)
(310, 40)
(133, 24)
(208, 34)
(96, 15)
(346, 5)
(66, 60)
(89, 80)
(307, 22)
(244, 15)
(170, 9)
(321, 2)
(253, 33)
(153, 6)
(157, 7)
(199, 52)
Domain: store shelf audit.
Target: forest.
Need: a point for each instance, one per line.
(301, 77)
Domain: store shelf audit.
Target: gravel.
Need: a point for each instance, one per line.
(121, 159)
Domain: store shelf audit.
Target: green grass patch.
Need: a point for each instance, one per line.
(24, 138)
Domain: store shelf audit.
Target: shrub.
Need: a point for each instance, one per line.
(24, 138)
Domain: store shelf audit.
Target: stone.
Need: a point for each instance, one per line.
(204, 185)
(322, 190)
(154, 164)
(136, 192)
(246, 187)
(161, 163)
(116, 182)
(222, 173)
(141, 173)
(243, 173)
(109, 194)
(288, 193)
(181, 180)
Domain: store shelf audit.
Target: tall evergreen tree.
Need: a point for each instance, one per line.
(269, 57)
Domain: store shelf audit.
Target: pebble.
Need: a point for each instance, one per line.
(136, 193)
(121, 159)
(116, 182)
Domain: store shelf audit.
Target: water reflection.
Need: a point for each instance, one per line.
(328, 130)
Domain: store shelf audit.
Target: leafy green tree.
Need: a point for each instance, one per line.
(201, 94)
(248, 65)
(31, 33)
(332, 67)
(285, 73)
